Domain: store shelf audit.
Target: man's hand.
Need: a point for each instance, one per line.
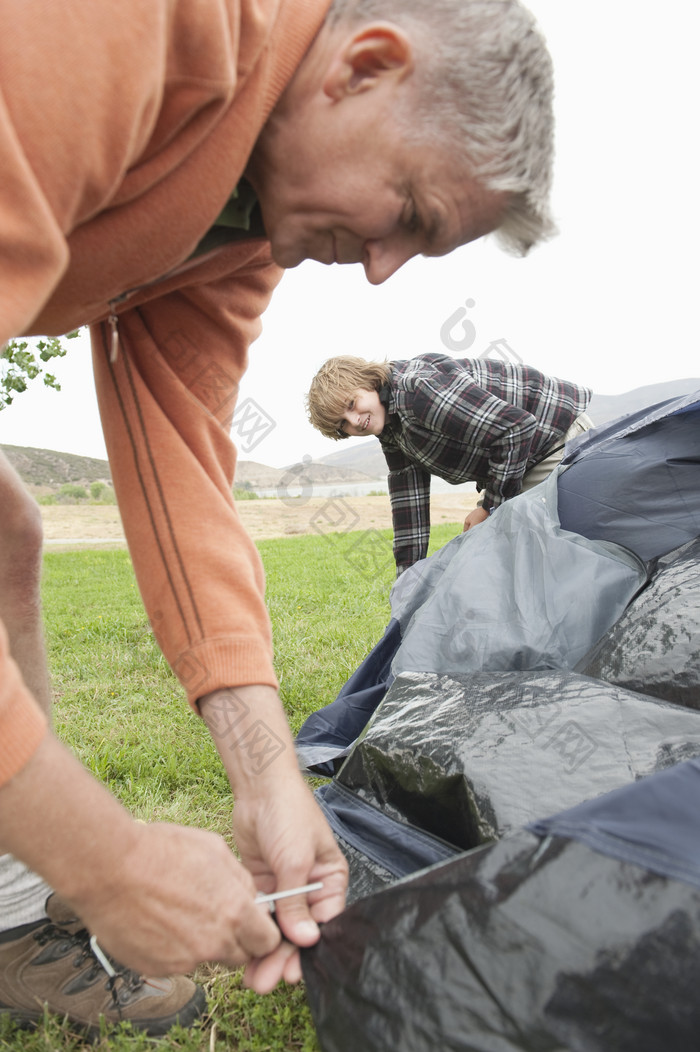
(474, 518)
(286, 842)
(282, 836)
(160, 898)
(181, 897)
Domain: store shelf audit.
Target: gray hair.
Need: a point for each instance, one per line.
(483, 86)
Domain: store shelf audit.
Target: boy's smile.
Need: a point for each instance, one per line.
(364, 414)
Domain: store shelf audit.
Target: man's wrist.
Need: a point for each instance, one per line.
(64, 824)
(251, 734)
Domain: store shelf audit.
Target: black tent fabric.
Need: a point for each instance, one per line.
(472, 759)
(580, 935)
(655, 646)
(477, 922)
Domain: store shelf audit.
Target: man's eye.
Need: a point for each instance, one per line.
(413, 221)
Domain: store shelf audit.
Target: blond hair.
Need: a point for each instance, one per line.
(334, 383)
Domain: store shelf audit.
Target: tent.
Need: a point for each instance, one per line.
(515, 772)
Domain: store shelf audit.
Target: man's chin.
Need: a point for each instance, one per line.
(286, 259)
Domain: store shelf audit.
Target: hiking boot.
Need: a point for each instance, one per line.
(52, 962)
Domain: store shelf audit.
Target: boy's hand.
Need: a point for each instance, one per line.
(474, 518)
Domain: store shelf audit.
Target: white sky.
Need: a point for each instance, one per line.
(611, 302)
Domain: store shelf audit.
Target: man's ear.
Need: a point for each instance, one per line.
(366, 56)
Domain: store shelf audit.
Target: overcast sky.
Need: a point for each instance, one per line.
(611, 302)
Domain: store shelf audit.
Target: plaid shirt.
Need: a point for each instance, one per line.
(473, 419)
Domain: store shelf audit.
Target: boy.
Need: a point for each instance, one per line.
(500, 425)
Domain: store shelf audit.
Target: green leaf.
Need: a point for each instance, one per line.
(19, 363)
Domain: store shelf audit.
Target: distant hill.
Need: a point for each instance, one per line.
(259, 476)
(46, 467)
(608, 407)
(364, 455)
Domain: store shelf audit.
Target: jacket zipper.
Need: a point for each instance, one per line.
(113, 320)
(114, 337)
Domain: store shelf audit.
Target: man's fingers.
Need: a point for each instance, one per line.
(263, 975)
(255, 932)
(299, 916)
(295, 919)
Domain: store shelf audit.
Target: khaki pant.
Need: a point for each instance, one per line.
(545, 467)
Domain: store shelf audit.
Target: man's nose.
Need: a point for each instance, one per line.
(383, 258)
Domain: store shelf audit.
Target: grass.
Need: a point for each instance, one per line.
(120, 709)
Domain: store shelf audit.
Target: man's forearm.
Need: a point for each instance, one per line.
(251, 733)
(62, 823)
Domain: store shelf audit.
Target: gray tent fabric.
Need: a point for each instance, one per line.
(519, 592)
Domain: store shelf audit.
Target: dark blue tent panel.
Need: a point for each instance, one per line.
(637, 484)
(327, 734)
(653, 823)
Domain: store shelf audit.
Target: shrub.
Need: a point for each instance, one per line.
(69, 491)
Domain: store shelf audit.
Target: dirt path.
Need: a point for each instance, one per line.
(69, 527)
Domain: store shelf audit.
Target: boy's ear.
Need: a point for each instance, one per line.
(366, 57)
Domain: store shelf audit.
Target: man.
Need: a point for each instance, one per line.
(500, 425)
(161, 162)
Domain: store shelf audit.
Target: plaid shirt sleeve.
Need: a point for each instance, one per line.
(409, 493)
(456, 411)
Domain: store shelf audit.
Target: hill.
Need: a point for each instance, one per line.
(363, 455)
(608, 407)
(258, 476)
(48, 468)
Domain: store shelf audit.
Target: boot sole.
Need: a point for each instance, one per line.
(26, 1019)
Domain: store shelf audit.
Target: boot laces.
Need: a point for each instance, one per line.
(122, 982)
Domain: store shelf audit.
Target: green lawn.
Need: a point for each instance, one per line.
(122, 712)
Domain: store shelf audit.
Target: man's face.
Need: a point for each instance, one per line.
(360, 193)
(364, 414)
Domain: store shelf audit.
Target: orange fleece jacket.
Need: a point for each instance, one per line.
(124, 127)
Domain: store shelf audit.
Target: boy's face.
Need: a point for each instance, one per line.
(364, 414)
